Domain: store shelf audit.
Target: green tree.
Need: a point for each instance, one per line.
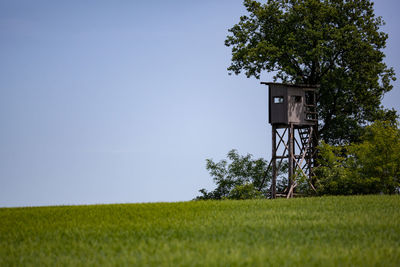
(334, 43)
(375, 162)
(244, 191)
(239, 177)
(333, 173)
(369, 167)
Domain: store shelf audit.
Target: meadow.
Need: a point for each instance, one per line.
(323, 231)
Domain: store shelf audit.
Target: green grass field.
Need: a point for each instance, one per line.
(327, 231)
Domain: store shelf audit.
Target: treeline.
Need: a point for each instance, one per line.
(370, 166)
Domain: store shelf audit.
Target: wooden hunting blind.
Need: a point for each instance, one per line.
(289, 104)
(293, 116)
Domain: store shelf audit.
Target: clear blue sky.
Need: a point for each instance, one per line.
(122, 101)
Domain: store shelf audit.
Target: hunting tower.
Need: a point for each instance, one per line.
(293, 116)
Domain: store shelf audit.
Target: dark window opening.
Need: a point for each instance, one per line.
(296, 98)
(278, 99)
(310, 98)
(311, 116)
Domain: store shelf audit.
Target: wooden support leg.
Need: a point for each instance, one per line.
(291, 159)
(274, 174)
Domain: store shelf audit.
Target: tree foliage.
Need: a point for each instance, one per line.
(369, 167)
(245, 191)
(334, 43)
(238, 177)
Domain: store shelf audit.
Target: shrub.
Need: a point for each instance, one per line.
(239, 177)
(244, 191)
(369, 167)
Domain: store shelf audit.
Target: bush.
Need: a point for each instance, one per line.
(239, 177)
(369, 167)
(333, 172)
(245, 191)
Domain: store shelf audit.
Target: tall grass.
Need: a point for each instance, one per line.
(327, 231)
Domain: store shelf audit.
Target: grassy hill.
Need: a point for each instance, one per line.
(328, 231)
